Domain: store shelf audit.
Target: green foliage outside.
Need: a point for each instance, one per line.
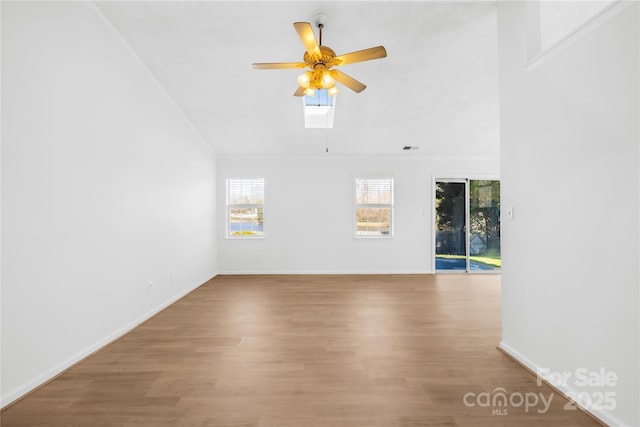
(485, 214)
(484, 220)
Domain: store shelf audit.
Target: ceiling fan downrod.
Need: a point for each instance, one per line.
(320, 21)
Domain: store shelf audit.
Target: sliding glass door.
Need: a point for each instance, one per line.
(467, 225)
(484, 225)
(451, 220)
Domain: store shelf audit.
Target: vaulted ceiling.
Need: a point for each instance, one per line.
(437, 88)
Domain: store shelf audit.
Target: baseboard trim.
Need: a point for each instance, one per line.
(602, 417)
(30, 387)
(314, 272)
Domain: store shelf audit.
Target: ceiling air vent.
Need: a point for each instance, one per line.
(410, 147)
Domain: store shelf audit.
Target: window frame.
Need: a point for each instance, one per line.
(229, 206)
(390, 206)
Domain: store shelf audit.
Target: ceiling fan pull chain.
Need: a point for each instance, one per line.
(326, 144)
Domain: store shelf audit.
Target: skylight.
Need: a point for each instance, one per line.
(319, 109)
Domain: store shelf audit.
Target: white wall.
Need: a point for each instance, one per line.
(105, 188)
(309, 211)
(569, 167)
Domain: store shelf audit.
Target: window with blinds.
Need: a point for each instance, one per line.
(374, 207)
(245, 207)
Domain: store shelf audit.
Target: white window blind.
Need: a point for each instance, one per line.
(245, 207)
(374, 207)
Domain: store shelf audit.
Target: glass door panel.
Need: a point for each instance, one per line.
(484, 225)
(451, 246)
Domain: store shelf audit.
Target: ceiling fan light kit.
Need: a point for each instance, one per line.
(320, 61)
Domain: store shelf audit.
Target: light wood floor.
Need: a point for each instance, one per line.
(304, 351)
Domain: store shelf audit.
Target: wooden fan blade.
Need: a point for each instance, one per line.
(299, 91)
(305, 32)
(277, 65)
(348, 81)
(362, 55)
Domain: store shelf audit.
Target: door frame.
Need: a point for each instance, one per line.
(459, 178)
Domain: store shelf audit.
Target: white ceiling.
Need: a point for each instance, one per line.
(437, 88)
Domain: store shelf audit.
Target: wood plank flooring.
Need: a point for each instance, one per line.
(305, 351)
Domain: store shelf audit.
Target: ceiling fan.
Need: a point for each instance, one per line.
(321, 60)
